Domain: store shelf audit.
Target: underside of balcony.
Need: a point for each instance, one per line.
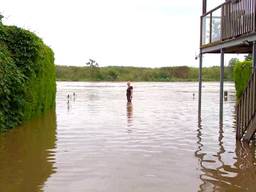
(241, 44)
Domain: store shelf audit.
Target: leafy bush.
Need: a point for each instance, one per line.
(27, 76)
(242, 73)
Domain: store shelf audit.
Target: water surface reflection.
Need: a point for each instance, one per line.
(129, 114)
(218, 173)
(103, 144)
(26, 160)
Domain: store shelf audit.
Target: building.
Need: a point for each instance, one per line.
(231, 28)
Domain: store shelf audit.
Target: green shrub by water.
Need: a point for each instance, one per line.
(27, 76)
(242, 74)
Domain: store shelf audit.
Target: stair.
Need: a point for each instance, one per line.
(250, 131)
(246, 112)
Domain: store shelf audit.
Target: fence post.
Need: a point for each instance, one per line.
(254, 55)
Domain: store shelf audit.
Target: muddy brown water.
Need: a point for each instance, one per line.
(98, 143)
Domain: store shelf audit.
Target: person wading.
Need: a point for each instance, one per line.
(129, 92)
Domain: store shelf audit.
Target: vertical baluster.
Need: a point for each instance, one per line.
(233, 23)
(227, 23)
(239, 5)
(244, 11)
(210, 38)
(235, 20)
(253, 94)
(254, 12)
(247, 15)
(250, 99)
(251, 16)
(244, 100)
(242, 16)
(249, 94)
(240, 8)
(247, 106)
(238, 121)
(243, 110)
(232, 20)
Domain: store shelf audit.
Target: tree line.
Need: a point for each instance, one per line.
(92, 72)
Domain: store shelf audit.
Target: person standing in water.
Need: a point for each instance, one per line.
(129, 92)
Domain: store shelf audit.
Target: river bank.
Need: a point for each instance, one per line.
(139, 74)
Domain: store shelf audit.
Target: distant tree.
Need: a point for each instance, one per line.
(216, 29)
(231, 64)
(92, 63)
(1, 17)
(113, 75)
(94, 68)
(248, 57)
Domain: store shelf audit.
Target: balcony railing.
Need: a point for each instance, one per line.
(227, 21)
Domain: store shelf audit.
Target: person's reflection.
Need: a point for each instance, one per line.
(68, 105)
(129, 115)
(226, 176)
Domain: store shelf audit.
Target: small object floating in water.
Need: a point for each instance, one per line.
(74, 96)
(225, 95)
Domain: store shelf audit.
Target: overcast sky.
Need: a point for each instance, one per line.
(150, 33)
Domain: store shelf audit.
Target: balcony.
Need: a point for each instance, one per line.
(230, 21)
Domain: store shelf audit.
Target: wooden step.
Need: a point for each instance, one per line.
(250, 131)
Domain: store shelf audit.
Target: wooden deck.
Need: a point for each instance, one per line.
(231, 25)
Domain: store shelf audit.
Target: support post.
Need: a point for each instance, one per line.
(204, 6)
(200, 84)
(254, 55)
(221, 84)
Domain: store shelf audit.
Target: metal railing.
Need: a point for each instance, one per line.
(229, 20)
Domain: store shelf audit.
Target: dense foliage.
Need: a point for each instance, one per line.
(114, 73)
(242, 73)
(27, 76)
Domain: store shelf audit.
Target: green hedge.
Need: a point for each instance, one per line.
(27, 76)
(242, 74)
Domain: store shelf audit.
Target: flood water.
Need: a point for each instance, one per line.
(98, 143)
